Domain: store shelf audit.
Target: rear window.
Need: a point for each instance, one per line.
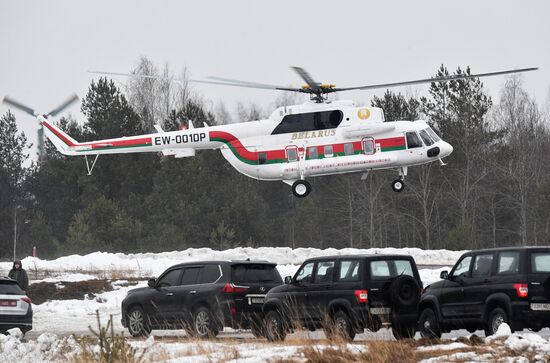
(10, 288)
(249, 273)
(383, 269)
(540, 262)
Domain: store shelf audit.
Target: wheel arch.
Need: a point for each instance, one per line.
(497, 300)
(430, 302)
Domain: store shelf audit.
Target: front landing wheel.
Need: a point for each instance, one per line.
(301, 188)
(398, 185)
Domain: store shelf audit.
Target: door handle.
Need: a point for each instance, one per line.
(169, 294)
(193, 291)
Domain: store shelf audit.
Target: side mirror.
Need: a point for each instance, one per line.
(151, 282)
(288, 280)
(444, 275)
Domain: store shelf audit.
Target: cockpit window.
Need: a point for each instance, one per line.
(413, 140)
(426, 138)
(432, 134)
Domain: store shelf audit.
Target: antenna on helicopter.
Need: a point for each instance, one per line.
(30, 111)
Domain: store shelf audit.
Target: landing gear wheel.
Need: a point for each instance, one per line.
(428, 325)
(203, 324)
(274, 327)
(301, 188)
(398, 185)
(137, 322)
(496, 318)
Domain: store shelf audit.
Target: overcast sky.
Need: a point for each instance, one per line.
(47, 46)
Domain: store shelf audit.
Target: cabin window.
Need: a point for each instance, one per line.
(426, 138)
(328, 151)
(262, 158)
(309, 121)
(292, 154)
(312, 152)
(432, 134)
(368, 146)
(413, 140)
(348, 149)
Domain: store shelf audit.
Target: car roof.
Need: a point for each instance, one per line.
(498, 249)
(360, 256)
(223, 262)
(7, 280)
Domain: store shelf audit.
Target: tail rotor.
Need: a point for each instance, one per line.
(30, 111)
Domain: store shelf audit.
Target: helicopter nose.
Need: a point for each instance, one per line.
(446, 149)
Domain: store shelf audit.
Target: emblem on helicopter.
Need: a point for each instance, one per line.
(363, 113)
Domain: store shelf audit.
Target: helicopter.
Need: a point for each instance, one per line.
(294, 144)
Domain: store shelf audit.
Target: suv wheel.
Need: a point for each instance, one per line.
(342, 327)
(274, 329)
(137, 322)
(403, 331)
(203, 324)
(428, 325)
(496, 318)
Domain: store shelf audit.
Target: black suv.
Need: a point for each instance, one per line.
(202, 297)
(488, 287)
(346, 294)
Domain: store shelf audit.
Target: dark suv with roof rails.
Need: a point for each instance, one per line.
(202, 297)
(488, 287)
(346, 294)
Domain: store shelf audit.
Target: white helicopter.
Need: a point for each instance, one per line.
(295, 143)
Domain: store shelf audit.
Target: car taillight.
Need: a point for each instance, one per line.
(522, 290)
(27, 300)
(362, 295)
(232, 288)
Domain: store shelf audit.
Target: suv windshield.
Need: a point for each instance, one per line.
(383, 269)
(10, 288)
(250, 273)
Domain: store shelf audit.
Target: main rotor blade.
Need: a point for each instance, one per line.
(306, 77)
(435, 79)
(224, 83)
(72, 99)
(18, 105)
(236, 82)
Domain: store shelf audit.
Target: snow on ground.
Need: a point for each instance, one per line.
(152, 264)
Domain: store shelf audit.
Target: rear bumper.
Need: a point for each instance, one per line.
(23, 322)
(524, 317)
(374, 322)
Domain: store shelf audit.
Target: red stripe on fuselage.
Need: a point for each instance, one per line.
(58, 134)
(391, 142)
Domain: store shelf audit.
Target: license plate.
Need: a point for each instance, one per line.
(255, 300)
(380, 311)
(540, 306)
(8, 302)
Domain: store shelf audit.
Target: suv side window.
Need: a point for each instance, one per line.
(380, 269)
(540, 262)
(305, 273)
(508, 263)
(191, 276)
(462, 268)
(348, 271)
(324, 272)
(210, 274)
(482, 265)
(172, 278)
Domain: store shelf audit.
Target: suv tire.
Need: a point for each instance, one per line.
(203, 324)
(405, 292)
(428, 324)
(496, 317)
(274, 328)
(342, 327)
(137, 322)
(403, 331)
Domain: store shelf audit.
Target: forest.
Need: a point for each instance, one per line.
(494, 190)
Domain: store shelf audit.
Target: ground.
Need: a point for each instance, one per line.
(70, 291)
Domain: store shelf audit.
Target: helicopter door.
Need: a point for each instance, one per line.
(293, 154)
(414, 144)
